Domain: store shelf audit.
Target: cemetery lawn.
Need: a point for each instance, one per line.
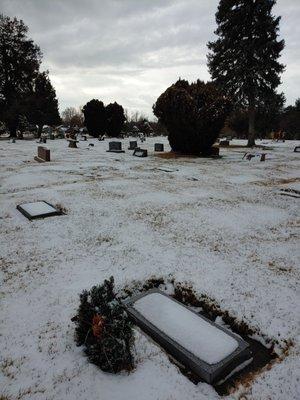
(220, 224)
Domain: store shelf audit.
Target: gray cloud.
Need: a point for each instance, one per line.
(131, 50)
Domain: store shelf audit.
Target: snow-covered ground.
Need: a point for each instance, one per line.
(219, 223)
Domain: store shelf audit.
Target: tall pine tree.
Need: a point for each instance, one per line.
(20, 59)
(244, 58)
(43, 104)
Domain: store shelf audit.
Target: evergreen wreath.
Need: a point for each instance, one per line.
(104, 329)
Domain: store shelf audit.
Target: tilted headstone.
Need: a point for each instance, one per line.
(115, 147)
(158, 147)
(43, 154)
(132, 145)
(263, 157)
(207, 349)
(140, 152)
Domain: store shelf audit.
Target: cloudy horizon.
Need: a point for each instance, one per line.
(130, 51)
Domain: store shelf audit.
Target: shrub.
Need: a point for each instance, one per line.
(193, 114)
(104, 329)
(115, 119)
(94, 117)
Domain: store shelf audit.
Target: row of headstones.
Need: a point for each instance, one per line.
(114, 147)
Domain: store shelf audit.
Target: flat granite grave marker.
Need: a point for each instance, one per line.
(140, 152)
(158, 147)
(132, 145)
(115, 147)
(43, 154)
(38, 209)
(212, 352)
(297, 149)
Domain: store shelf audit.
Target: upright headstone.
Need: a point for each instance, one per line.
(43, 154)
(158, 147)
(115, 147)
(132, 145)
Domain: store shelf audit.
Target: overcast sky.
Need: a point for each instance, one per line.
(130, 51)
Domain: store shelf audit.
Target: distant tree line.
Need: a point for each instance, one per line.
(286, 119)
(26, 94)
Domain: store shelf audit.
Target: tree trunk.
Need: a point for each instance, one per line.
(40, 130)
(251, 129)
(12, 132)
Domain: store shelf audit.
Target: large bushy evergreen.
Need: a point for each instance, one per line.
(95, 117)
(244, 58)
(193, 114)
(115, 119)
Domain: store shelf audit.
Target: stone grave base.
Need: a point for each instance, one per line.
(211, 373)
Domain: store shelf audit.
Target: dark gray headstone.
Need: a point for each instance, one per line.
(132, 145)
(115, 147)
(158, 147)
(209, 350)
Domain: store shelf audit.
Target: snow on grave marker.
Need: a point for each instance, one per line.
(140, 152)
(115, 147)
(209, 350)
(38, 209)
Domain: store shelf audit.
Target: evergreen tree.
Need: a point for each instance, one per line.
(20, 59)
(193, 114)
(115, 119)
(290, 121)
(244, 58)
(95, 117)
(43, 104)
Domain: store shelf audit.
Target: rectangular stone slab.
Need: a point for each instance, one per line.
(38, 209)
(207, 349)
